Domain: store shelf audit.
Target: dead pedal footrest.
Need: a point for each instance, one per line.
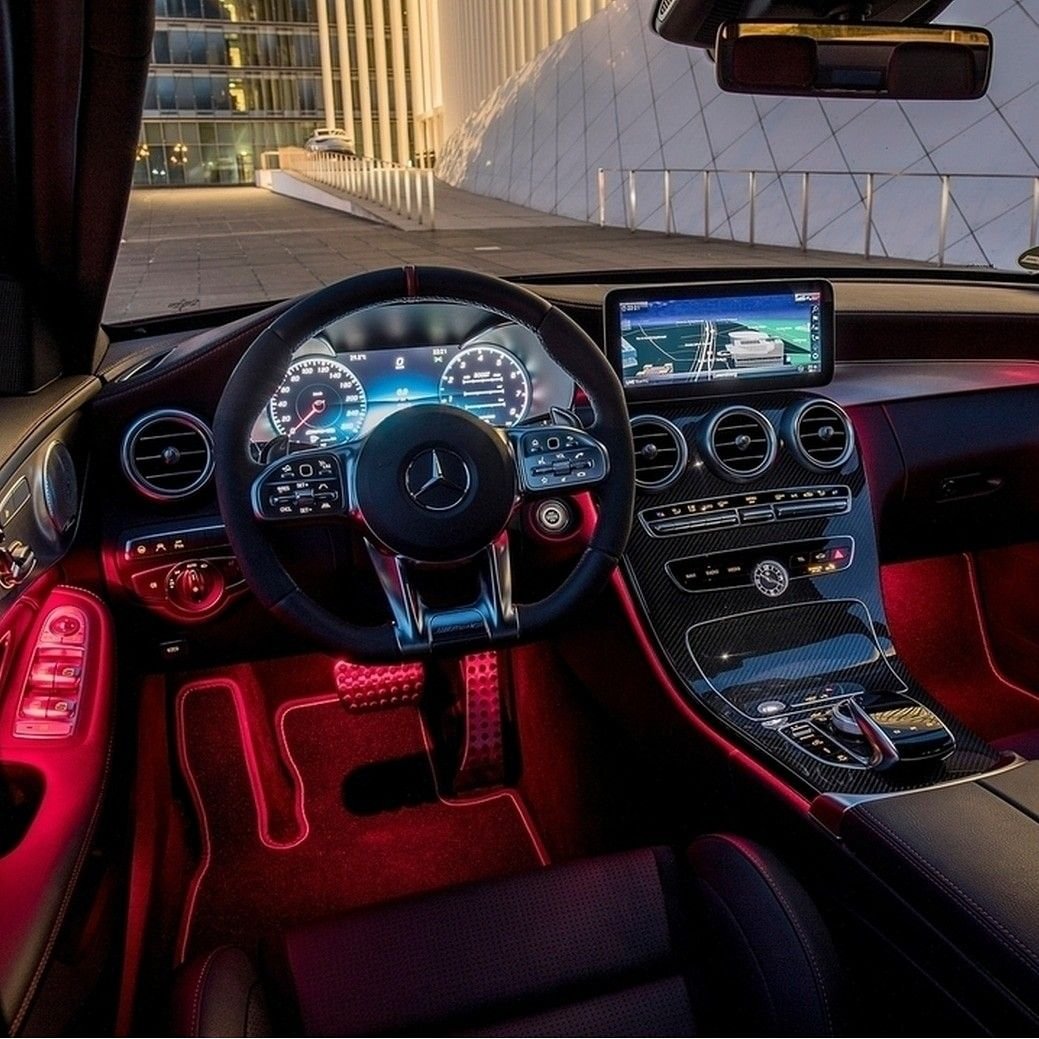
(365, 687)
(482, 761)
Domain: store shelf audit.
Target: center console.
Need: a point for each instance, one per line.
(753, 557)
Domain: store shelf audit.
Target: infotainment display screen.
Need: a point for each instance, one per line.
(721, 337)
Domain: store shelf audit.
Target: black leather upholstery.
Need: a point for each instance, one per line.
(771, 968)
(963, 857)
(616, 945)
(220, 994)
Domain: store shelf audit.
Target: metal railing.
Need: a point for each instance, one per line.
(868, 185)
(405, 190)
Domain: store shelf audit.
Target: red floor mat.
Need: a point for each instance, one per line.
(279, 844)
(938, 629)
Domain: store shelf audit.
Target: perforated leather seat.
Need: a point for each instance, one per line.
(630, 944)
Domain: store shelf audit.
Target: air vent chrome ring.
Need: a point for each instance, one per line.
(753, 447)
(819, 434)
(163, 425)
(671, 468)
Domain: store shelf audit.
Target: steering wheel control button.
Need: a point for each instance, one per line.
(435, 484)
(770, 578)
(294, 489)
(438, 479)
(557, 457)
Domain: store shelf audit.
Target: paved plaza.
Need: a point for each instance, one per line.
(197, 248)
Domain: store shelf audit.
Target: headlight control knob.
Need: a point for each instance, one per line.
(195, 586)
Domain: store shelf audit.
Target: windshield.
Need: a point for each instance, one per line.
(286, 144)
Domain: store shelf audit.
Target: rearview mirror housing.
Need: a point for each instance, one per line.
(868, 60)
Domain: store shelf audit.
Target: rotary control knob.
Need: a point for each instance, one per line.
(770, 578)
(195, 586)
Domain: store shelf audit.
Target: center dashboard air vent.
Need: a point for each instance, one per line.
(820, 434)
(739, 443)
(168, 454)
(660, 452)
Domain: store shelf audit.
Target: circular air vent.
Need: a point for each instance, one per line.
(819, 434)
(168, 454)
(739, 443)
(660, 452)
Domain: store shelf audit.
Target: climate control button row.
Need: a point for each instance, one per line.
(691, 517)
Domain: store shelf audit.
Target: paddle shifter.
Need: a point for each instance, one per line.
(896, 730)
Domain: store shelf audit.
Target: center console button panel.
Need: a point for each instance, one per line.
(762, 567)
(733, 510)
(872, 730)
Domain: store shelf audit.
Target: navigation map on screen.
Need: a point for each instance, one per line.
(726, 337)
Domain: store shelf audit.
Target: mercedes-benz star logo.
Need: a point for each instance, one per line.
(437, 479)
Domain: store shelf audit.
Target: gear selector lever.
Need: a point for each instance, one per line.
(897, 730)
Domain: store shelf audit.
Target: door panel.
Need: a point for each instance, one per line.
(56, 682)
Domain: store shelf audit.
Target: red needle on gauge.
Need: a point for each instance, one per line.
(315, 409)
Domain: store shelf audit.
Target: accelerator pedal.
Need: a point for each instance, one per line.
(481, 763)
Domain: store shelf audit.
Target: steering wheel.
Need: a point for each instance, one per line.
(430, 486)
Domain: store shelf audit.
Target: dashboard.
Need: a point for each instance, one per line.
(949, 447)
(342, 382)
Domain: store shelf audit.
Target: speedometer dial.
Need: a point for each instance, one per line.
(489, 382)
(320, 403)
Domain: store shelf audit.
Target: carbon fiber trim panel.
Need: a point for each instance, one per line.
(842, 636)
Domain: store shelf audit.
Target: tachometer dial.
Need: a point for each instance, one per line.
(489, 382)
(319, 403)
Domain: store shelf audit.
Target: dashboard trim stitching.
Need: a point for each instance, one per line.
(160, 375)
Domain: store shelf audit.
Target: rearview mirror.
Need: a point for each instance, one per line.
(815, 59)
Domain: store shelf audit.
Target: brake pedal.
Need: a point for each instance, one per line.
(374, 687)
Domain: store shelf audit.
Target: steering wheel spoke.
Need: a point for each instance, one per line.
(307, 485)
(419, 628)
(557, 458)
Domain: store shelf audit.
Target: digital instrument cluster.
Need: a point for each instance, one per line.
(330, 397)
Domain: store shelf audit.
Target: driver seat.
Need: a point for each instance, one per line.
(635, 943)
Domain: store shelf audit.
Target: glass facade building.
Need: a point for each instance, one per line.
(231, 79)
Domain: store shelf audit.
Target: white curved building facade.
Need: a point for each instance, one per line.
(610, 94)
